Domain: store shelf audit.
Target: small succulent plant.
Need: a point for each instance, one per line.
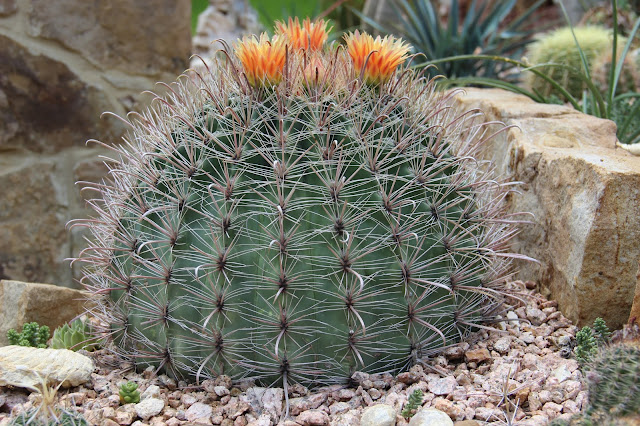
(413, 404)
(129, 393)
(78, 335)
(586, 345)
(297, 213)
(32, 334)
(601, 331)
(588, 340)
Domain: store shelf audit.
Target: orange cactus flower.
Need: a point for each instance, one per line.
(262, 59)
(386, 54)
(310, 36)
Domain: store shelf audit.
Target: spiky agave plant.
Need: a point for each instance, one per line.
(298, 213)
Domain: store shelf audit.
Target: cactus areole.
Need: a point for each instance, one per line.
(290, 217)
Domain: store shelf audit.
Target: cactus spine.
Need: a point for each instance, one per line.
(288, 217)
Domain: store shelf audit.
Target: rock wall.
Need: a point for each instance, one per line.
(226, 20)
(62, 64)
(584, 194)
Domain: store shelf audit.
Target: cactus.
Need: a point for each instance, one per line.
(559, 47)
(66, 418)
(613, 377)
(77, 336)
(129, 393)
(289, 216)
(629, 79)
(32, 334)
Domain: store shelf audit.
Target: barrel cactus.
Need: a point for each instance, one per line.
(559, 48)
(296, 213)
(613, 377)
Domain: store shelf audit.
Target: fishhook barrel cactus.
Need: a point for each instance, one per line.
(296, 213)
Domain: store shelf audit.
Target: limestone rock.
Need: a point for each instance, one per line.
(197, 411)
(267, 400)
(635, 308)
(7, 7)
(378, 415)
(30, 229)
(62, 64)
(148, 37)
(45, 106)
(149, 407)
(632, 148)
(442, 386)
(227, 20)
(45, 304)
(313, 418)
(477, 355)
(584, 196)
(26, 367)
(430, 417)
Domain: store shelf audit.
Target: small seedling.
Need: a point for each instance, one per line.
(129, 393)
(31, 335)
(414, 403)
(47, 411)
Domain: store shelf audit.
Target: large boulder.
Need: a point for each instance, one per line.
(28, 367)
(62, 64)
(584, 194)
(45, 304)
(142, 37)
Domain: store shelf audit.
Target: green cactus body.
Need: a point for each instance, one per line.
(559, 47)
(297, 233)
(613, 377)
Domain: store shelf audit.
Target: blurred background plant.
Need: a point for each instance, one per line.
(603, 84)
(197, 7)
(341, 14)
(481, 27)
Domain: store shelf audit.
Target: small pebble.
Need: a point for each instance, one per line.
(430, 417)
(378, 415)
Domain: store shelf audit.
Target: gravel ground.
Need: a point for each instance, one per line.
(522, 375)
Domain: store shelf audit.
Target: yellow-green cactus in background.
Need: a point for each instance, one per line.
(559, 48)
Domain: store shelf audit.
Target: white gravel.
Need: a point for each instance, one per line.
(517, 374)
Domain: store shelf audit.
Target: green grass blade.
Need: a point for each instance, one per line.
(614, 58)
(613, 85)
